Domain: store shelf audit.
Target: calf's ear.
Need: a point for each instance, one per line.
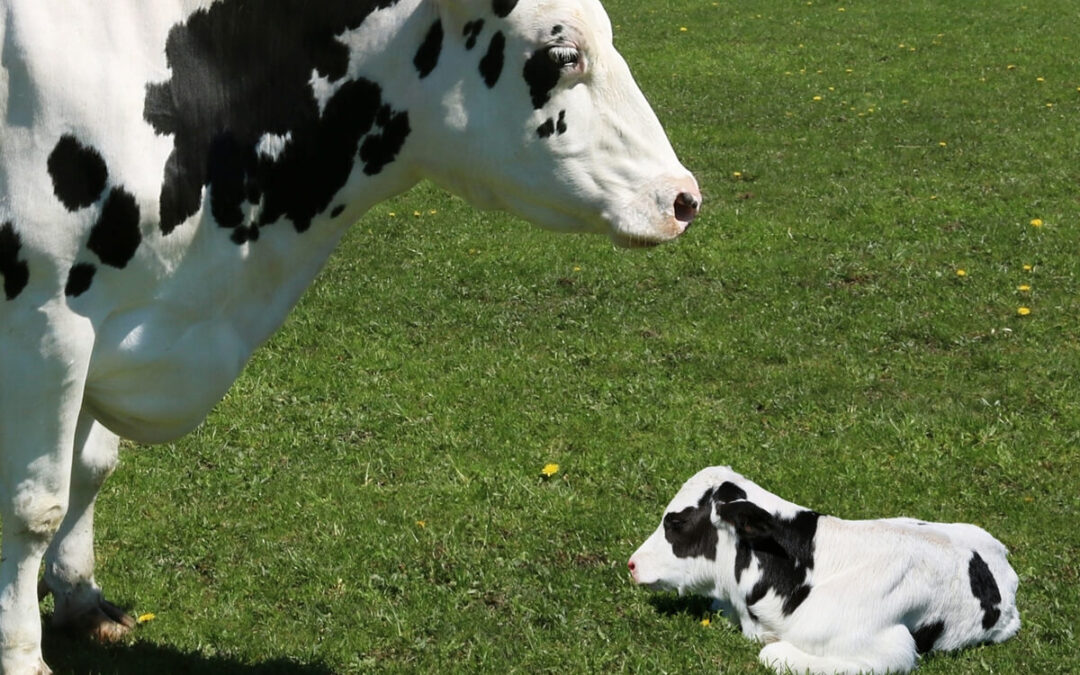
(749, 520)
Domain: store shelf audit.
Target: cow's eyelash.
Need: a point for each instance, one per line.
(564, 55)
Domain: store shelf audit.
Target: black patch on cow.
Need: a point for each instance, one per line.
(691, 532)
(241, 70)
(15, 272)
(491, 65)
(115, 236)
(338, 210)
(472, 32)
(78, 173)
(546, 129)
(550, 126)
(427, 57)
(784, 549)
(79, 278)
(985, 590)
(503, 7)
(541, 74)
(927, 635)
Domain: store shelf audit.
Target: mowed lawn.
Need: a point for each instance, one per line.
(887, 184)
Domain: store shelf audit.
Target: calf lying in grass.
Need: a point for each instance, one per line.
(827, 595)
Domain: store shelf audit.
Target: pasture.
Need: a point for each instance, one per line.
(886, 186)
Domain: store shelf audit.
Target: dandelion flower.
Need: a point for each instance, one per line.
(1027, 268)
(549, 470)
(1023, 311)
(1040, 79)
(817, 98)
(1036, 222)
(421, 524)
(942, 144)
(682, 29)
(144, 618)
(961, 273)
(1023, 288)
(705, 621)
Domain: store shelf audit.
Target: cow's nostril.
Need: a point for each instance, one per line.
(631, 565)
(686, 207)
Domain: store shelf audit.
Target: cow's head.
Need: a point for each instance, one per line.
(530, 109)
(717, 525)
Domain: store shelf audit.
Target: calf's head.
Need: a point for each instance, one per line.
(534, 112)
(717, 523)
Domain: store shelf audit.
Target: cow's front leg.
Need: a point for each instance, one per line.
(69, 560)
(42, 370)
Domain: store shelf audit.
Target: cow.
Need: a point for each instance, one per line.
(174, 173)
(828, 595)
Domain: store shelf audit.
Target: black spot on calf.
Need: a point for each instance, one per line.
(926, 635)
(492, 64)
(115, 237)
(690, 531)
(15, 272)
(79, 278)
(729, 492)
(546, 129)
(427, 57)
(784, 549)
(241, 70)
(472, 32)
(985, 590)
(560, 126)
(541, 74)
(78, 173)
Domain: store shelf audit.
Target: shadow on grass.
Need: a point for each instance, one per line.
(672, 605)
(66, 655)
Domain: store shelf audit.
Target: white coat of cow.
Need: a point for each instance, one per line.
(828, 595)
(173, 174)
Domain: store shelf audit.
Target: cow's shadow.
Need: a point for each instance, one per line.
(67, 654)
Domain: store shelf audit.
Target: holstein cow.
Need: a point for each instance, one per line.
(828, 595)
(173, 174)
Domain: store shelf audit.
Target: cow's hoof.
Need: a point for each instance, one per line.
(99, 619)
(105, 623)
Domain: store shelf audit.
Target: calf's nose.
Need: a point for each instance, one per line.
(632, 566)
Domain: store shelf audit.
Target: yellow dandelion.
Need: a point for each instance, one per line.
(549, 470)
(961, 273)
(392, 214)
(416, 213)
(1027, 268)
(817, 98)
(1036, 222)
(576, 268)
(421, 524)
(942, 144)
(682, 29)
(705, 622)
(1040, 79)
(1010, 67)
(736, 174)
(1023, 311)
(145, 618)
(432, 212)
(1023, 288)
(1049, 105)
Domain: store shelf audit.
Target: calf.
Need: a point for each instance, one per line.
(828, 595)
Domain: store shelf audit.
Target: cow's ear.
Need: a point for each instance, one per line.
(749, 520)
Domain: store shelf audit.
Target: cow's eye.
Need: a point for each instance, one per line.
(565, 56)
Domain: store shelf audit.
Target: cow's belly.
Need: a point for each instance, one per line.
(154, 375)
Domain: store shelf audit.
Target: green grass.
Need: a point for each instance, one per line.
(368, 496)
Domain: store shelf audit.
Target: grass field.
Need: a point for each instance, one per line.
(368, 497)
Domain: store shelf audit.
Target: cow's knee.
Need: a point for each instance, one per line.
(36, 512)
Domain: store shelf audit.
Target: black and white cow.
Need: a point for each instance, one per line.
(173, 174)
(828, 595)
